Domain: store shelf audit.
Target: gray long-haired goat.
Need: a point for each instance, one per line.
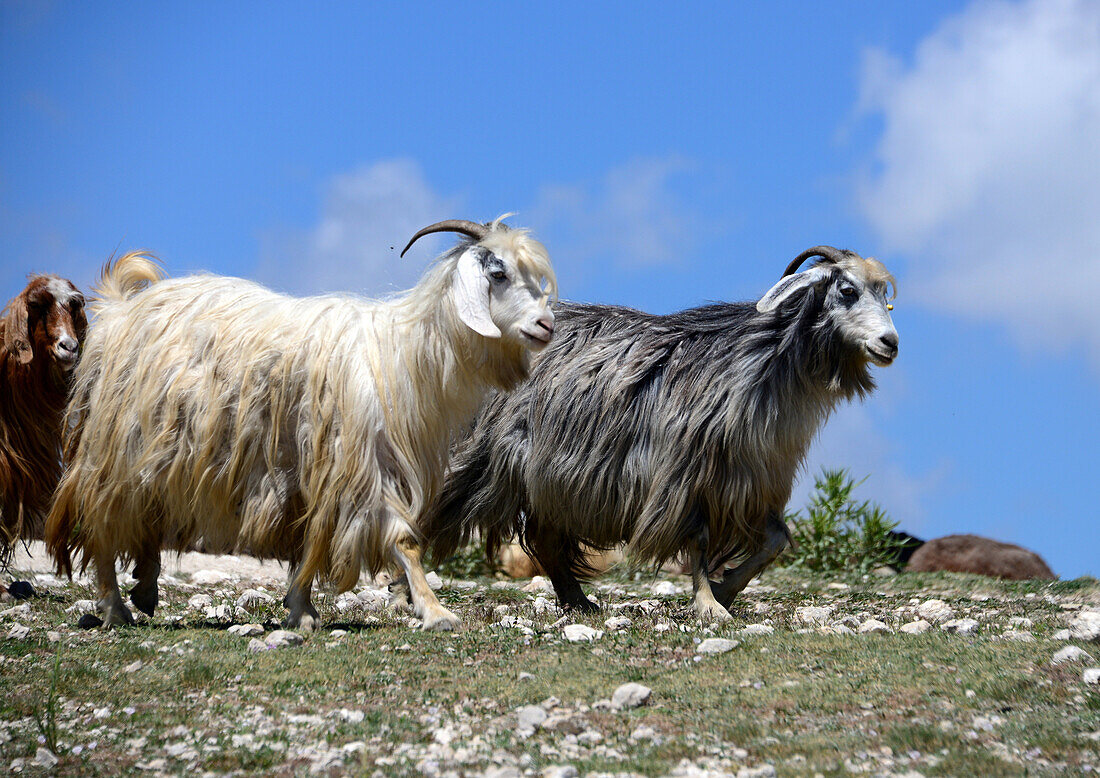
(678, 435)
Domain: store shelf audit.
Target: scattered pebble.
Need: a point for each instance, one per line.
(245, 630)
(630, 695)
(18, 632)
(618, 622)
(1086, 626)
(133, 667)
(960, 626)
(579, 633)
(210, 577)
(918, 627)
(812, 614)
(935, 611)
(716, 646)
(1091, 675)
(1070, 654)
(873, 626)
(283, 637)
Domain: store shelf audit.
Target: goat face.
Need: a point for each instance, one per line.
(499, 296)
(54, 321)
(856, 304)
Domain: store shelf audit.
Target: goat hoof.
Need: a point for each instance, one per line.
(713, 612)
(144, 603)
(444, 621)
(583, 605)
(118, 617)
(304, 622)
(89, 621)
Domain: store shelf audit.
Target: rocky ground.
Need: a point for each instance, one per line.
(918, 674)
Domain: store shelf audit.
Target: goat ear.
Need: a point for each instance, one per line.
(788, 286)
(471, 288)
(16, 331)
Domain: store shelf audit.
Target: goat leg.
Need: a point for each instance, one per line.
(114, 611)
(427, 606)
(145, 595)
(303, 615)
(708, 608)
(776, 537)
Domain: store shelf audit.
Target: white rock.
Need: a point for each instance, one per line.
(1086, 626)
(82, 606)
(918, 627)
(53, 637)
(838, 586)
(525, 677)
(1070, 654)
(539, 584)
(1062, 634)
(873, 625)
(1020, 622)
(1091, 675)
(1019, 635)
(45, 759)
(209, 577)
(960, 626)
(504, 771)
(935, 611)
(716, 646)
(578, 633)
(374, 599)
(618, 622)
(200, 601)
(256, 645)
(17, 611)
(757, 629)
(219, 613)
(283, 637)
(18, 632)
(530, 717)
(665, 588)
(630, 695)
(250, 597)
(246, 630)
(434, 581)
(133, 667)
(811, 614)
(559, 771)
(761, 771)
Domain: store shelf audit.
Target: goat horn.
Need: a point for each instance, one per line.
(472, 229)
(828, 253)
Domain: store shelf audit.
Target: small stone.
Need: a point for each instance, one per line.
(219, 613)
(559, 771)
(665, 588)
(256, 645)
(1086, 626)
(618, 622)
(935, 611)
(529, 718)
(644, 732)
(873, 626)
(837, 585)
(246, 630)
(209, 577)
(1091, 675)
(1062, 634)
(960, 626)
(20, 590)
(1020, 622)
(200, 601)
(283, 637)
(133, 667)
(525, 677)
(578, 633)
(45, 759)
(53, 637)
(82, 606)
(762, 771)
(884, 571)
(1019, 635)
(630, 695)
(89, 621)
(757, 629)
(250, 597)
(18, 632)
(918, 627)
(435, 583)
(1070, 654)
(716, 646)
(540, 585)
(811, 614)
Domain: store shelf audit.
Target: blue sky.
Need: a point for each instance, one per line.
(667, 155)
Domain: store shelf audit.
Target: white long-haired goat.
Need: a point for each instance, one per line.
(313, 430)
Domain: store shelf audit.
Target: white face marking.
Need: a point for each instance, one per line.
(61, 290)
(518, 304)
(863, 320)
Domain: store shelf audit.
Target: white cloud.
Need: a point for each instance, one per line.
(632, 216)
(367, 217)
(986, 174)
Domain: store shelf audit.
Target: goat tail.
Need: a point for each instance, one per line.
(123, 276)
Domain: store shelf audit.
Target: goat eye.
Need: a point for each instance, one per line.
(498, 276)
(848, 291)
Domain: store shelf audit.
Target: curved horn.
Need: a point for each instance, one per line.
(829, 253)
(472, 229)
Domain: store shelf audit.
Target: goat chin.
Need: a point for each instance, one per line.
(312, 430)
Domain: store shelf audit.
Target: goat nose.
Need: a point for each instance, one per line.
(547, 323)
(890, 340)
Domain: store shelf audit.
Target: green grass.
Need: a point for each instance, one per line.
(805, 702)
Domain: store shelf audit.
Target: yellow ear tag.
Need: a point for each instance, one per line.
(889, 306)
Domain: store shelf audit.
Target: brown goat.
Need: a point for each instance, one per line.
(983, 556)
(40, 335)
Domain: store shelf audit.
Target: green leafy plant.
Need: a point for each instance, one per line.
(46, 718)
(838, 533)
